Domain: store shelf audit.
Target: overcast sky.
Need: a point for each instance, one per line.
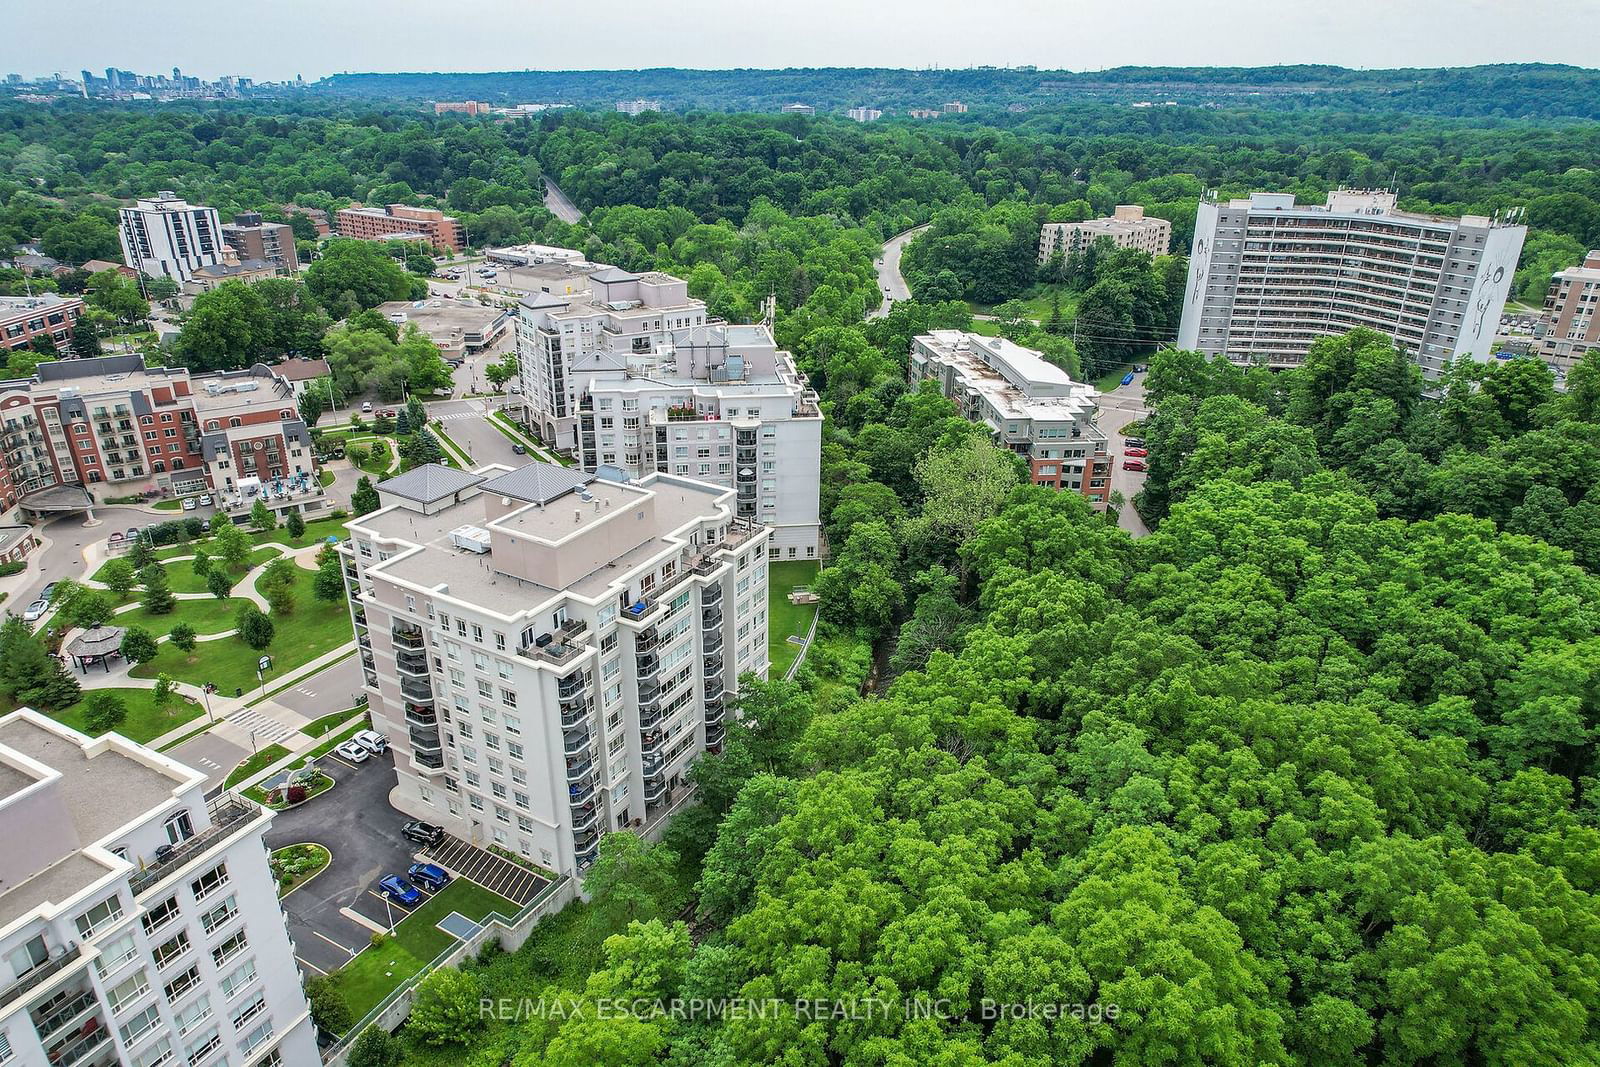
(275, 39)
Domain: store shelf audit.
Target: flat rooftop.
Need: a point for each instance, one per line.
(474, 578)
(56, 884)
(104, 792)
(41, 302)
(448, 317)
(994, 367)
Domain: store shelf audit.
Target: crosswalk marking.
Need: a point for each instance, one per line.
(265, 727)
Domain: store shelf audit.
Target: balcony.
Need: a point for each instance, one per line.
(580, 791)
(585, 816)
(647, 666)
(408, 661)
(712, 643)
(710, 618)
(68, 955)
(424, 739)
(408, 639)
(571, 629)
(422, 717)
(644, 643)
(649, 714)
(649, 740)
(575, 715)
(654, 789)
(80, 1047)
(572, 687)
(640, 609)
(713, 665)
(61, 1011)
(586, 840)
(715, 732)
(577, 743)
(552, 651)
(415, 691)
(715, 710)
(711, 595)
(433, 761)
(579, 768)
(228, 814)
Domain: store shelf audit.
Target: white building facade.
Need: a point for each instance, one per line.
(166, 236)
(139, 924)
(632, 376)
(548, 652)
(1268, 277)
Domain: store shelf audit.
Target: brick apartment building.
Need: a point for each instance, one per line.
(254, 239)
(111, 421)
(22, 318)
(1572, 314)
(399, 221)
(318, 217)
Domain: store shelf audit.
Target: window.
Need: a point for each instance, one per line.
(250, 1011)
(241, 976)
(171, 949)
(513, 727)
(204, 1047)
(519, 776)
(210, 882)
(521, 800)
(182, 984)
(97, 917)
(513, 749)
(126, 992)
(193, 1015)
(230, 948)
(213, 919)
(160, 1052)
(256, 1038)
(114, 954)
(140, 1025)
(508, 698)
(501, 814)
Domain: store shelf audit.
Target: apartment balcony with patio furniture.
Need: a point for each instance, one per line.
(62, 957)
(713, 665)
(409, 638)
(229, 814)
(580, 791)
(710, 618)
(409, 661)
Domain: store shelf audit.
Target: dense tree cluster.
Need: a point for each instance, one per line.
(1499, 444)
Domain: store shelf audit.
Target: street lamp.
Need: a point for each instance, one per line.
(205, 692)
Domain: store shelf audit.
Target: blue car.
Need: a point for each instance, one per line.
(400, 891)
(429, 876)
(1127, 379)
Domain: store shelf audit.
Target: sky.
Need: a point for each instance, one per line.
(278, 39)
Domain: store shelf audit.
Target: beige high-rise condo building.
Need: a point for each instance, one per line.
(548, 651)
(139, 922)
(1572, 314)
(1127, 228)
(1267, 277)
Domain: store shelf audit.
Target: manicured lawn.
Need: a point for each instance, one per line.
(1112, 378)
(174, 504)
(182, 578)
(316, 530)
(263, 759)
(325, 478)
(314, 628)
(783, 618)
(373, 974)
(336, 740)
(318, 727)
(207, 615)
(1038, 301)
(145, 721)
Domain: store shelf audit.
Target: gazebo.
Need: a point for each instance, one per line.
(98, 645)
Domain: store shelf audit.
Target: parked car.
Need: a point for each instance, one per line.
(189, 503)
(35, 611)
(1141, 453)
(428, 876)
(353, 752)
(49, 593)
(1136, 442)
(399, 890)
(366, 407)
(519, 450)
(372, 741)
(422, 833)
(1133, 464)
(205, 500)
(133, 533)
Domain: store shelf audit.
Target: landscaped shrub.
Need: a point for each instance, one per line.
(15, 566)
(297, 793)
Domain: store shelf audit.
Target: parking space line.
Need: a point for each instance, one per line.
(332, 942)
(302, 961)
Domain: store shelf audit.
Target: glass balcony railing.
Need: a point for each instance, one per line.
(408, 661)
(713, 665)
(649, 713)
(711, 643)
(228, 813)
(710, 618)
(577, 742)
(579, 768)
(710, 596)
(68, 955)
(580, 791)
(572, 685)
(417, 691)
(432, 760)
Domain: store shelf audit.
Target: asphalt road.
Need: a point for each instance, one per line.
(890, 281)
(463, 420)
(559, 205)
(333, 689)
(69, 537)
(1119, 407)
(211, 754)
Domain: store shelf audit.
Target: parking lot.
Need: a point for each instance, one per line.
(354, 821)
(495, 873)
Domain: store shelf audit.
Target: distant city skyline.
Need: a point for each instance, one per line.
(315, 38)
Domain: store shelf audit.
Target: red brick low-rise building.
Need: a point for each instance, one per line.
(23, 318)
(81, 426)
(400, 220)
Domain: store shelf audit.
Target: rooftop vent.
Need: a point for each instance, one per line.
(473, 539)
